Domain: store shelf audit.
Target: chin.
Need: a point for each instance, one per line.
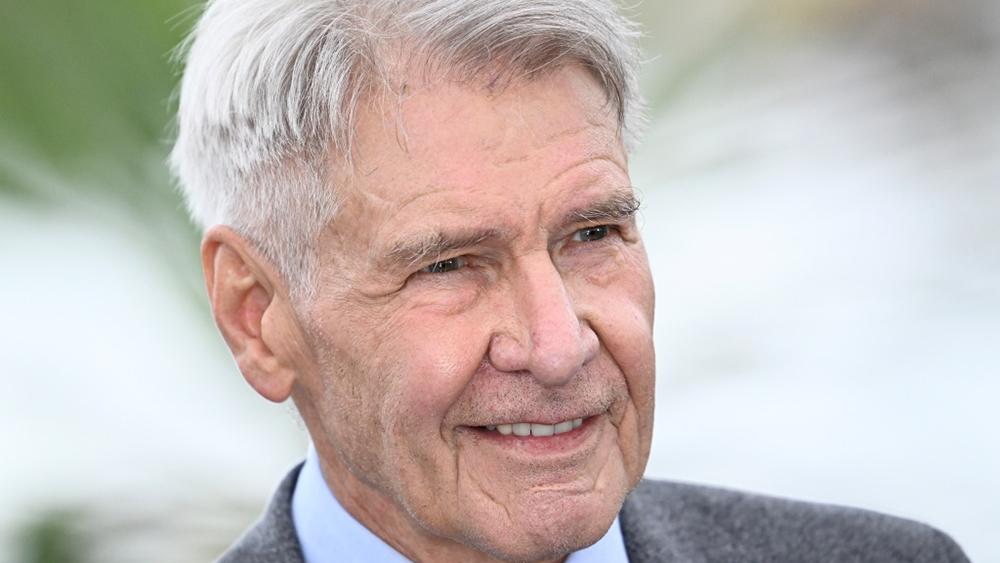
(548, 525)
(551, 542)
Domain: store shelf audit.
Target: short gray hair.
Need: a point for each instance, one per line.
(271, 90)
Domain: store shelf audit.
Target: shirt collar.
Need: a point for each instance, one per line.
(329, 534)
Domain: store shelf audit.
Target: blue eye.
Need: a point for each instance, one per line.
(591, 234)
(445, 266)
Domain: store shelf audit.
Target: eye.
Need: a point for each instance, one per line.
(591, 234)
(445, 266)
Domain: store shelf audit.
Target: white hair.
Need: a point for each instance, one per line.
(271, 89)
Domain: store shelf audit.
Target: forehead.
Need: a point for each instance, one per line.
(451, 152)
(436, 124)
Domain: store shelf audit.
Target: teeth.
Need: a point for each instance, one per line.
(530, 429)
(542, 430)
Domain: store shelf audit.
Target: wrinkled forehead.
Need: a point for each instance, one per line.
(461, 151)
(400, 120)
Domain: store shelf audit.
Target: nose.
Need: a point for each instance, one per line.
(541, 332)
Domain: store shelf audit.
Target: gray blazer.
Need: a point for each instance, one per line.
(665, 522)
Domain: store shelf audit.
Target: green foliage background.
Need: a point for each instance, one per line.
(85, 98)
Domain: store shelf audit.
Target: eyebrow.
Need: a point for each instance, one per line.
(623, 204)
(433, 246)
(436, 245)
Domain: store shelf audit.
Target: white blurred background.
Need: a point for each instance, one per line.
(822, 187)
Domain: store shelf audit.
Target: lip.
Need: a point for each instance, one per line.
(537, 417)
(557, 444)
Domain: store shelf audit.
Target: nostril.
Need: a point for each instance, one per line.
(507, 354)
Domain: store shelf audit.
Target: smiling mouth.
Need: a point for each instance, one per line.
(535, 429)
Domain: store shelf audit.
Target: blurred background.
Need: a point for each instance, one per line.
(822, 187)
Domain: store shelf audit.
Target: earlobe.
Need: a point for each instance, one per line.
(242, 288)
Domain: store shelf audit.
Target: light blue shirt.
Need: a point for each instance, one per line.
(329, 534)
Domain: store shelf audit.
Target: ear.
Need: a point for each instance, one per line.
(250, 309)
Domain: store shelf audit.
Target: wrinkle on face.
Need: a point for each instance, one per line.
(510, 161)
(604, 275)
(595, 158)
(484, 491)
(405, 372)
(591, 124)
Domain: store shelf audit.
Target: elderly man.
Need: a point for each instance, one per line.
(420, 227)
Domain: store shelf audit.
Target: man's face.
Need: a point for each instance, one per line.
(484, 275)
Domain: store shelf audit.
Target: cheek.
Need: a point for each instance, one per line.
(636, 360)
(439, 358)
(621, 308)
(630, 341)
(623, 319)
(439, 355)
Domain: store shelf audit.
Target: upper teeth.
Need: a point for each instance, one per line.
(532, 429)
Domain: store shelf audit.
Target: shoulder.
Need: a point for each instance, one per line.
(663, 521)
(272, 537)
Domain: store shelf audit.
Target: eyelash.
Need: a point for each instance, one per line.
(603, 230)
(458, 262)
(445, 266)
